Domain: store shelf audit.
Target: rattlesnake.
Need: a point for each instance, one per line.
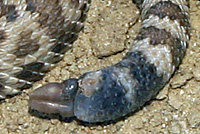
(99, 96)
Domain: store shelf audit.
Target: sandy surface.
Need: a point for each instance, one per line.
(109, 31)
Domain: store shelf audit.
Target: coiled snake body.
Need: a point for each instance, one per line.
(103, 95)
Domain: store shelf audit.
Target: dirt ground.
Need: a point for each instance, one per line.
(109, 32)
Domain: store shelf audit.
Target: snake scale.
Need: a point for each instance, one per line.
(35, 34)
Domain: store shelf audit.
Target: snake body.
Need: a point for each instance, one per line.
(34, 35)
(97, 96)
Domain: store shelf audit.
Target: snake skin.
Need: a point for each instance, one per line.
(36, 33)
(158, 49)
